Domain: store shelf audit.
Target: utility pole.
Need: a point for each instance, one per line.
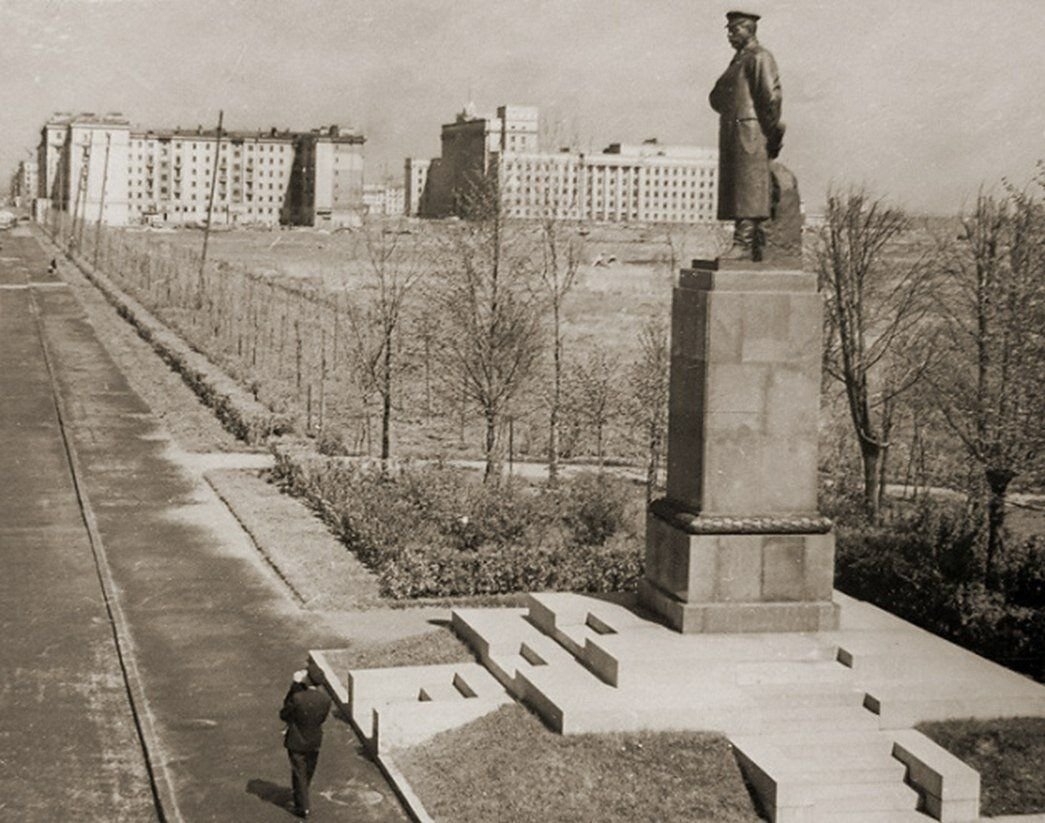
(101, 205)
(210, 209)
(75, 235)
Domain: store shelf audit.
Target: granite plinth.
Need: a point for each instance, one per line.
(737, 545)
(744, 395)
(739, 582)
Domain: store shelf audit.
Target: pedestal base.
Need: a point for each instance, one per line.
(731, 618)
(779, 581)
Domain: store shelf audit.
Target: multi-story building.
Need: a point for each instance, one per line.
(415, 176)
(326, 186)
(640, 183)
(177, 176)
(83, 167)
(379, 199)
(471, 148)
(24, 184)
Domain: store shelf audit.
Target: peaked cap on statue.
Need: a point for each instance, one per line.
(742, 15)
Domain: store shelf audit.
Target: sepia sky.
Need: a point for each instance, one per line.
(921, 100)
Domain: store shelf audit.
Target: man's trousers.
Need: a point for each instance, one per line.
(302, 767)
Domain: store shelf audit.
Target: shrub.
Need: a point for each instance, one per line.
(928, 569)
(595, 507)
(433, 531)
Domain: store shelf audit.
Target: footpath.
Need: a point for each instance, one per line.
(208, 633)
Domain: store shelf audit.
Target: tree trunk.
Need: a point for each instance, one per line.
(553, 421)
(870, 453)
(653, 466)
(492, 470)
(998, 482)
(386, 401)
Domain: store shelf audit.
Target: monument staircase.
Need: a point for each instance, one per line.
(821, 723)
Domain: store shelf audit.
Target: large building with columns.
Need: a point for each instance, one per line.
(644, 183)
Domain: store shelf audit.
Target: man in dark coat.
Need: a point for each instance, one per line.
(748, 100)
(304, 711)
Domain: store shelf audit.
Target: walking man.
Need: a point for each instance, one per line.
(304, 711)
(748, 100)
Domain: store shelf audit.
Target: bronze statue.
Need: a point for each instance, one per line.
(748, 100)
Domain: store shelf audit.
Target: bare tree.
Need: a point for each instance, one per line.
(648, 401)
(594, 397)
(991, 307)
(874, 307)
(394, 268)
(562, 248)
(490, 319)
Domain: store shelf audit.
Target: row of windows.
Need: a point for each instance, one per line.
(220, 195)
(206, 146)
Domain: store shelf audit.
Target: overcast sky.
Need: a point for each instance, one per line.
(921, 100)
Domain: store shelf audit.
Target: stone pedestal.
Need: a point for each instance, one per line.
(737, 545)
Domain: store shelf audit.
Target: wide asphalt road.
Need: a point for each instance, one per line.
(145, 647)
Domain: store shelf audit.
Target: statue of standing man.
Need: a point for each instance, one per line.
(748, 100)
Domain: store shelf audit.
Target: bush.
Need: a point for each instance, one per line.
(433, 531)
(928, 569)
(595, 507)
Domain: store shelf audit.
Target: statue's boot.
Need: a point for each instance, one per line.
(745, 235)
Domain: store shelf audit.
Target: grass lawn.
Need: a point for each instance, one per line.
(508, 766)
(1007, 753)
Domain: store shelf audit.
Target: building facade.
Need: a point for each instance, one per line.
(415, 177)
(169, 177)
(382, 200)
(24, 184)
(649, 182)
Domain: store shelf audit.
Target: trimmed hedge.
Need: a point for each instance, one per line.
(234, 406)
(435, 531)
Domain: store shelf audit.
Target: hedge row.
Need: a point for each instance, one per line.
(235, 407)
(435, 531)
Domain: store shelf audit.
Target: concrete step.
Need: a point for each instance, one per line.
(808, 694)
(906, 712)
(506, 667)
(814, 718)
(478, 682)
(864, 797)
(540, 647)
(835, 743)
(750, 674)
(798, 766)
(572, 637)
(881, 816)
(549, 609)
(491, 630)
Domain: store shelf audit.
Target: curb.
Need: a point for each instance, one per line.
(396, 779)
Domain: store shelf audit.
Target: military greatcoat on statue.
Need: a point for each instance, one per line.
(748, 100)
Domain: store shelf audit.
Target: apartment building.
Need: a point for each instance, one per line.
(24, 184)
(648, 182)
(168, 176)
(470, 149)
(382, 200)
(415, 177)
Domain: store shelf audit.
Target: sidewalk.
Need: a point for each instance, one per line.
(214, 633)
(68, 746)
